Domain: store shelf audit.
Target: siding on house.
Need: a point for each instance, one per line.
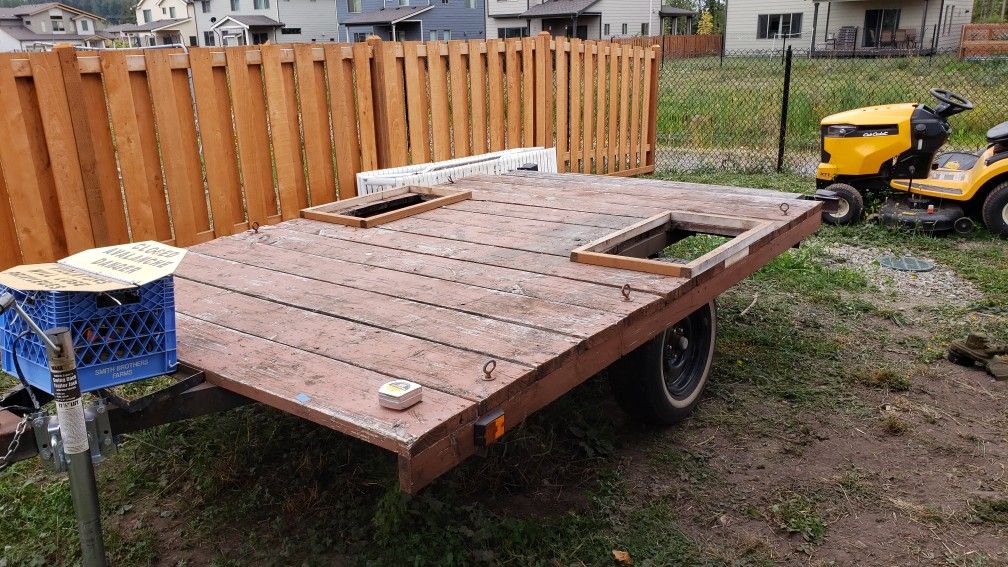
(8, 43)
(314, 19)
(462, 19)
(162, 10)
(615, 13)
(741, 27)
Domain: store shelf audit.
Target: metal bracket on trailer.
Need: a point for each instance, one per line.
(109, 416)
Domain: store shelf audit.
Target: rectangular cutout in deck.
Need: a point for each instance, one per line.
(634, 247)
(385, 206)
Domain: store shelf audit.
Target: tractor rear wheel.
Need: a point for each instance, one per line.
(995, 210)
(661, 381)
(850, 206)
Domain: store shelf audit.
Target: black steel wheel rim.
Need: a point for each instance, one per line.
(685, 353)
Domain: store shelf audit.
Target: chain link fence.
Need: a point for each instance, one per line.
(726, 113)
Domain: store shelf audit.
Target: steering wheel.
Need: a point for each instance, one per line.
(952, 99)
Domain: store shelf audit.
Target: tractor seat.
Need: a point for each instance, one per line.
(998, 134)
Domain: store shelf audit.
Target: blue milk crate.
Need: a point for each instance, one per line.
(114, 343)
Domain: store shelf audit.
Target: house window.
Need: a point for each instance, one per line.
(171, 12)
(645, 28)
(404, 2)
(57, 23)
(773, 26)
(260, 4)
(235, 5)
(359, 37)
(606, 28)
(192, 41)
(85, 25)
(471, 3)
(147, 15)
(205, 6)
(290, 31)
(353, 6)
(626, 29)
(433, 35)
(164, 11)
(259, 38)
(209, 39)
(445, 35)
(506, 33)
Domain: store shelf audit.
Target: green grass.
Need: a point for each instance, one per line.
(737, 106)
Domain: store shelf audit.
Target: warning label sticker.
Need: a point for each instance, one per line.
(99, 269)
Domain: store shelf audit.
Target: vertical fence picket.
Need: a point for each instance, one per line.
(10, 249)
(218, 142)
(588, 107)
(340, 86)
(128, 147)
(283, 134)
(513, 73)
(574, 90)
(417, 102)
(562, 98)
(478, 88)
(635, 108)
(439, 100)
(459, 73)
(600, 105)
(316, 140)
(495, 84)
(362, 55)
(250, 130)
(612, 138)
(624, 109)
(528, 91)
(60, 144)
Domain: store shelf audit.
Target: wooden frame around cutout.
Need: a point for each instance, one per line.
(624, 249)
(337, 212)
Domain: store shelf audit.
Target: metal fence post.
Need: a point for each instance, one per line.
(784, 109)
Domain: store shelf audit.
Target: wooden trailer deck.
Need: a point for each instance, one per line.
(312, 317)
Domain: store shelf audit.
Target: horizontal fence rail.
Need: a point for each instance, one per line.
(108, 147)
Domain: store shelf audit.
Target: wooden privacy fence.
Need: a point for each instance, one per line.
(677, 46)
(103, 148)
(984, 40)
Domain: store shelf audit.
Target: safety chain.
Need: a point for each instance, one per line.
(18, 432)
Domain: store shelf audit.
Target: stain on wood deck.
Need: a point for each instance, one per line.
(311, 317)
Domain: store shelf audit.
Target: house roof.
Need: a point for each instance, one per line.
(156, 25)
(385, 16)
(32, 9)
(557, 8)
(249, 22)
(675, 11)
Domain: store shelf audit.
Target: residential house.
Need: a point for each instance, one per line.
(586, 19)
(250, 22)
(37, 27)
(412, 20)
(847, 26)
(160, 22)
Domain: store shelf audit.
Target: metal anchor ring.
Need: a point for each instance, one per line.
(255, 227)
(784, 208)
(488, 369)
(626, 292)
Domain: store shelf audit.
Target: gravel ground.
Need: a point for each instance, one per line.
(939, 284)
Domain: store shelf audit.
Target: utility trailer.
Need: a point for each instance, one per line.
(497, 294)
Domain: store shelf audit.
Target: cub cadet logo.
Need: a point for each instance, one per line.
(875, 133)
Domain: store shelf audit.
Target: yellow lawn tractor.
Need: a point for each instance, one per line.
(890, 151)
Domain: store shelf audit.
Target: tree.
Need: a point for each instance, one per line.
(706, 24)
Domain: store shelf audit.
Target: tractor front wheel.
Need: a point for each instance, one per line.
(995, 210)
(850, 205)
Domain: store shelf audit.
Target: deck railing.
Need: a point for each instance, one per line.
(107, 147)
(984, 40)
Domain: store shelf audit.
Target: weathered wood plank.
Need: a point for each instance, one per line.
(441, 367)
(471, 332)
(309, 385)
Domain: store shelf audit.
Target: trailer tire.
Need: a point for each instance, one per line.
(995, 210)
(850, 207)
(661, 381)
